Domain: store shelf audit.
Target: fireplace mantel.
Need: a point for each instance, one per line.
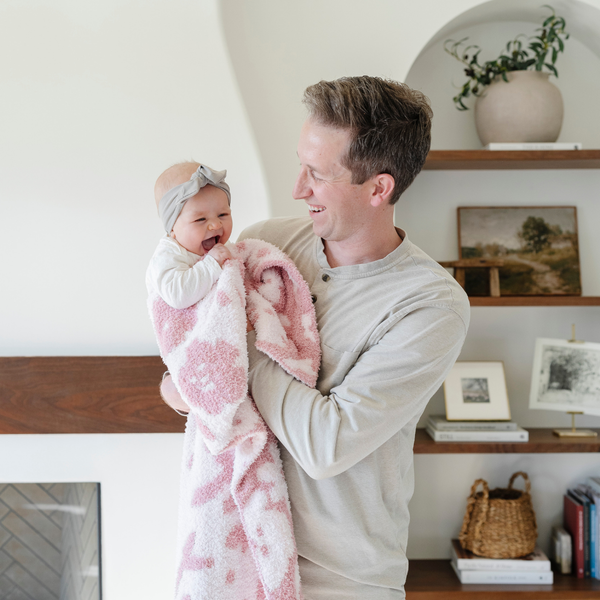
(84, 394)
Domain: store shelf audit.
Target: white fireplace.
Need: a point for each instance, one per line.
(139, 478)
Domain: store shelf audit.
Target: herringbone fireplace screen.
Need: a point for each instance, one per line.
(50, 541)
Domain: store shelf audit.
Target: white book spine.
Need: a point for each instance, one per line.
(471, 426)
(521, 435)
(505, 577)
(505, 564)
(538, 563)
(534, 146)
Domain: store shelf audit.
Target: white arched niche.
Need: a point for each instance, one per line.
(278, 48)
(491, 25)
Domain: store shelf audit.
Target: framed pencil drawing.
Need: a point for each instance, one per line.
(476, 391)
(566, 376)
(537, 244)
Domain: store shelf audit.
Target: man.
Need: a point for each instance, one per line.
(392, 323)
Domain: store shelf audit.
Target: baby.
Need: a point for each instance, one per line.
(193, 203)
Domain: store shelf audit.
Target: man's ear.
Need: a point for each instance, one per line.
(384, 187)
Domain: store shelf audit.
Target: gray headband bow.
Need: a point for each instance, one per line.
(171, 204)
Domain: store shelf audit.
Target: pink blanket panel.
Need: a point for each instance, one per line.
(235, 534)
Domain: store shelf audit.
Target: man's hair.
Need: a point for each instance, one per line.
(389, 124)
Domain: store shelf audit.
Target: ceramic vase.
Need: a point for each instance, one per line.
(527, 108)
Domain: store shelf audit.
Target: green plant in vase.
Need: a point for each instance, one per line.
(539, 54)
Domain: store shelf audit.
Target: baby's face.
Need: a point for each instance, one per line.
(204, 221)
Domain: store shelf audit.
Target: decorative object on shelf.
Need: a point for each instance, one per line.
(476, 391)
(492, 266)
(566, 377)
(562, 549)
(499, 523)
(528, 109)
(515, 101)
(538, 244)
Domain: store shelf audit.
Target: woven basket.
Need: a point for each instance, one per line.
(499, 523)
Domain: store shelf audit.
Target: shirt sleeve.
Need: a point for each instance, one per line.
(387, 386)
(180, 284)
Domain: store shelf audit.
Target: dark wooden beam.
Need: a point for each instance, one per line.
(84, 394)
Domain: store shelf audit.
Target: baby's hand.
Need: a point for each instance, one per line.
(220, 253)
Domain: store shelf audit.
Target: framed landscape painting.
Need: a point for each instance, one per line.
(538, 244)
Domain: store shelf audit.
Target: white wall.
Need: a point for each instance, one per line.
(98, 98)
(279, 47)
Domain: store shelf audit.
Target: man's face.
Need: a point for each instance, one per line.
(336, 206)
(204, 221)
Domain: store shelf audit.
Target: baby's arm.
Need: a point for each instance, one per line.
(180, 284)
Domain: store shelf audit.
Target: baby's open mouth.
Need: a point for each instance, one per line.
(210, 242)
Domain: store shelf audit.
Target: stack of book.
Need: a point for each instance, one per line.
(581, 505)
(470, 568)
(442, 430)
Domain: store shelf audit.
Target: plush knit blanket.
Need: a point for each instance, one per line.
(235, 538)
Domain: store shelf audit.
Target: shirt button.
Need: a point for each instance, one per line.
(325, 277)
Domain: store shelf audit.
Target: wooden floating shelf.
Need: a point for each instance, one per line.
(535, 301)
(84, 394)
(435, 580)
(541, 441)
(445, 160)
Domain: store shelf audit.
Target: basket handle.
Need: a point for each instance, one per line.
(471, 504)
(524, 476)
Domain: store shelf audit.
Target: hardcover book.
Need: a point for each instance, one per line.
(440, 423)
(573, 523)
(585, 501)
(519, 435)
(504, 577)
(467, 561)
(594, 526)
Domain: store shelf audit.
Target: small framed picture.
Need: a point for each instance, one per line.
(566, 376)
(537, 245)
(476, 391)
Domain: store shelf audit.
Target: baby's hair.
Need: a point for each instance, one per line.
(174, 175)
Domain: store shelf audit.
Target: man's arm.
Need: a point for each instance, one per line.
(388, 385)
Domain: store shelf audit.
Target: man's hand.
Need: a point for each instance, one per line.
(171, 396)
(220, 253)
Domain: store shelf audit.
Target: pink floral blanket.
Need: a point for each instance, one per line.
(235, 538)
